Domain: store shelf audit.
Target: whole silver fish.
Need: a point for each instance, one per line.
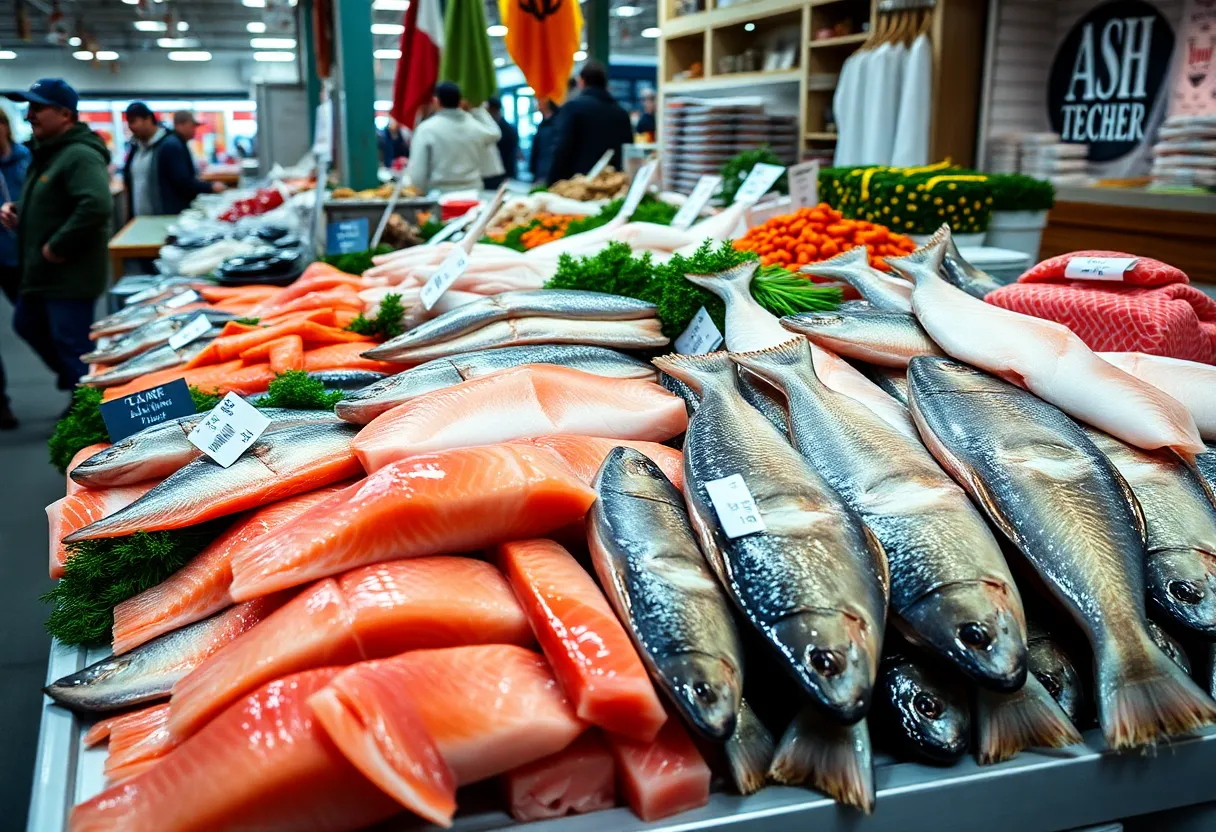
(814, 582)
(159, 450)
(881, 291)
(641, 334)
(150, 335)
(381, 396)
(1057, 673)
(925, 712)
(891, 381)
(664, 592)
(833, 758)
(140, 315)
(538, 303)
(1049, 489)
(149, 672)
(139, 311)
(163, 357)
(888, 339)
(673, 385)
(1205, 464)
(1181, 527)
(1007, 723)
(951, 589)
(962, 275)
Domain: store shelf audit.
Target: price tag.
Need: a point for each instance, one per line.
(736, 508)
(133, 413)
(197, 327)
(702, 335)
(804, 185)
(449, 230)
(1098, 268)
(637, 189)
(599, 166)
(450, 269)
(143, 295)
(691, 209)
(758, 182)
(184, 299)
(346, 236)
(229, 429)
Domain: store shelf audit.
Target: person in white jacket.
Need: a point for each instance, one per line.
(451, 150)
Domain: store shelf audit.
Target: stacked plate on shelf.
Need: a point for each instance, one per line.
(1185, 153)
(701, 135)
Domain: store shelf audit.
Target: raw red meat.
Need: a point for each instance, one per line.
(661, 778)
(579, 779)
(1145, 272)
(1174, 320)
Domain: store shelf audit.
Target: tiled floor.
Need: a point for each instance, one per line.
(29, 484)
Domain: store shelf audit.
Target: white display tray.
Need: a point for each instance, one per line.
(1035, 792)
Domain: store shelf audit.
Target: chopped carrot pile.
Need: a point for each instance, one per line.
(810, 235)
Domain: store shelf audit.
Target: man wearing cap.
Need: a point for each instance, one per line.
(62, 221)
(159, 174)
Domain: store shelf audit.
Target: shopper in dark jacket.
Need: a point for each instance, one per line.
(588, 125)
(542, 142)
(14, 161)
(63, 223)
(158, 173)
(508, 144)
(394, 144)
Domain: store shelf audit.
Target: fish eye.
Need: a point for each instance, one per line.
(705, 692)
(1186, 592)
(974, 634)
(928, 706)
(825, 663)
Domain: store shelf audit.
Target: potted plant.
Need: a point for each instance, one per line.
(1019, 212)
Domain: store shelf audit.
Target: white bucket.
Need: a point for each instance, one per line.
(1018, 230)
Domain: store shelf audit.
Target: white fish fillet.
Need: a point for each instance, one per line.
(1045, 357)
(1189, 382)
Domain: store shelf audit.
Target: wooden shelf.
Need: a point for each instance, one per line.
(738, 13)
(843, 40)
(820, 137)
(735, 79)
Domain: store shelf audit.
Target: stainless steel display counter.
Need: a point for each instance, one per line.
(1140, 198)
(1036, 792)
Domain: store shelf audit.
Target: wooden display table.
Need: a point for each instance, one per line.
(142, 238)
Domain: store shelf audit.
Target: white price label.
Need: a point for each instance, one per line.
(442, 280)
(143, 295)
(599, 166)
(702, 335)
(1098, 268)
(637, 190)
(804, 185)
(691, 209)
(229, 429)
(736, 508)
(449, 230)
(184, 299)
(198, 326)
(758, 182)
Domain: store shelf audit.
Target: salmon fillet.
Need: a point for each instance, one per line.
(661, 778)
(80, 509)
(585, 454)
(578, 779)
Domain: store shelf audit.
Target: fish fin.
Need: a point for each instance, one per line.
(749, 751)
(833, 758)
(1132, 501)
(926, 260)
(1007, 723)
(785, 365)
(1141, 701)
(698, 370)
(843, 266)
(733, 281)
(880, 561)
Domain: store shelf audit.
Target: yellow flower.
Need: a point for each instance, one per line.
(937, 200)
(949, 209)
(911, 207)
(894, 219)
(977, 205)
(899, 189)
(952, 186)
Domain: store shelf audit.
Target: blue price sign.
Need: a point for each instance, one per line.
(133, 413)
(346, 236)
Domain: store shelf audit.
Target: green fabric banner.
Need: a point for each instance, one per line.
(466, 51)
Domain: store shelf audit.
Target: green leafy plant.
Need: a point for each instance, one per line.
(1018, 192)
(81, 427)
(739, 166)
(650, 209)
(355, 262)
(296, 390)
(386, 323)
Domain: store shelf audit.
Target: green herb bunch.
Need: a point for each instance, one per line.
(388, 322)
(356, 262)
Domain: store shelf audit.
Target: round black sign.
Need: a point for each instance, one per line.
(1107, 75)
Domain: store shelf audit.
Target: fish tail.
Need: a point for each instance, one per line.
(697, 371)
(1141, 701)
(926, 260)
(749, 751)
(843, 266)
(734, 282)
(831, 757)
(673, 385)
(786, 365)
(1011, 722)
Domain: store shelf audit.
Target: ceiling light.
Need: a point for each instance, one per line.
(150, 25)
(391, 5)
(73, 41)
(255, 28)
(183, 26)
(131, 2)
(272, 43)
(189, 56)
(652, 32)
(387, 28)
(254, 4)
(382, 104)
(627, 11)
(496, 31)
(749, 27)
(6, 55)
(177, 43)
(526, 91)
(387, 54)
(580, 55)
(105, 55)
(274, 57)
(500, 62)
(83, 55)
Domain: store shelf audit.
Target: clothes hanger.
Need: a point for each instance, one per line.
(926, 23)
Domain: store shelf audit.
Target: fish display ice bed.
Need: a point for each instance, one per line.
(1035, 792)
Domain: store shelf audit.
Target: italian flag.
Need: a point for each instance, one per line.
(418, 68)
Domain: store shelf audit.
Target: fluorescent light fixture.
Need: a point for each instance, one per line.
(387, 54)
(189, 56)
(150, 25)
(526, 91)
(73, 41)
(496, 31)
(580, 55)
(83, 55)
(272, 43)
(749, 27)
(6, 55)
(106, 55)
(131, 2)
(627, 11)
(274, 57)
(387, 28)
(255, 28)
(183, 26)
(383, 104)
(500, 62)
(254, 4)
(177, 43)
(652, 32)
(391, 5)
